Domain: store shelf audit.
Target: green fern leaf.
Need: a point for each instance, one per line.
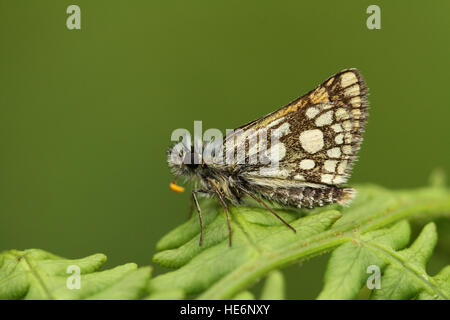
(261, 243)
(405, 276)
(244, 295)
(442, 281)
(404, 271)
(176, 294)
(274, 287)
(37, 274)
(347, 269)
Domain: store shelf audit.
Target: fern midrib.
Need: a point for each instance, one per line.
(269, 260)
(233, 282)
(38, 278)
(297, 252)
(397, 258)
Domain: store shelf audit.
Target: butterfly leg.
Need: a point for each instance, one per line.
(225, 207)
(199, 211)
(191, 202)
(271, 210)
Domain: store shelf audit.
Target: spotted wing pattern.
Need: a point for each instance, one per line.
(319, 133)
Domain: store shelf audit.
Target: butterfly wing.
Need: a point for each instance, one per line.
(318, 135)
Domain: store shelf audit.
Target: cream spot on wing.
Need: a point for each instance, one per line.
(326, 106)
(275, 122)
(276, 153)
(299, 177)
(307, 164)
(356, 113)
(272, 171)
(282, 130)
(352, 91)
(341, 114)
(342, 166)
(312, 112)
(348, 138)
(336, 127)
(283, 173)
(348, 79)
(330, 165)
(355, 101)
(347, 125)
(326, 178)
(325, 119)
(347, 149)
(311, 140)
(338, 180)
(334, 153)
(339, 139)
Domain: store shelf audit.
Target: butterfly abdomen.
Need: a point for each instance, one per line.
(308, 197)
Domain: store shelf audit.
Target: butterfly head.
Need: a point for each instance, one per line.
(184, 160)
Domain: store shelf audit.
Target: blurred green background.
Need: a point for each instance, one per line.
(86, 115)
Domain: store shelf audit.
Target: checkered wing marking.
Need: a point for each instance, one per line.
(319, 133)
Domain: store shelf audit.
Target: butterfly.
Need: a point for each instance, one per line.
(313, 144)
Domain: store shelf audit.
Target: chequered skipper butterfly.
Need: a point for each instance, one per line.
(319, 136)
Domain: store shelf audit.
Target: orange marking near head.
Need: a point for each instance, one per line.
(176, 188)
